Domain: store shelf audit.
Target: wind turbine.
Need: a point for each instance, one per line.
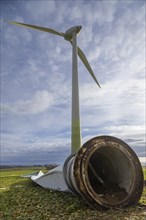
(103, 162)
(71, 36)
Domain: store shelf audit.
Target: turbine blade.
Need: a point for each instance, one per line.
(49, 30)
(87, 65)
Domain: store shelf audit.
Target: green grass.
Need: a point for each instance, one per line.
(24, 200)
(144, 171)
(19, 171)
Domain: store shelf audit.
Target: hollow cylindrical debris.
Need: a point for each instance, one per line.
(106, 172)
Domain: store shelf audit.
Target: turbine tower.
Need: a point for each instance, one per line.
(71, 36)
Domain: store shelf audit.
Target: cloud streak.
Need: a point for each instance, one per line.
(41, 101)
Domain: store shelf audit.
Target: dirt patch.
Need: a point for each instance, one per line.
(112, 194)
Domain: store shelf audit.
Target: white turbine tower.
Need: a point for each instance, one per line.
(71, 36)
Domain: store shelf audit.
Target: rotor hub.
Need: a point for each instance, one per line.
(71, 32)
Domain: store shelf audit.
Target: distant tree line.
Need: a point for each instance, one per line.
(47, 166)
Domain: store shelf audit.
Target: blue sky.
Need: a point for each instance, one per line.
(36, 77)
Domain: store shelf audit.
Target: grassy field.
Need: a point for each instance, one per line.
(21, 199)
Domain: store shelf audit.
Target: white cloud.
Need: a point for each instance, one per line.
(85, 37)
(114, 91)
(30, 149)
(118, 103)
(14, 37)
(40, 9)
(41, 101)
(127, 131)
(76, 12)
(94, 54)
(106, 11)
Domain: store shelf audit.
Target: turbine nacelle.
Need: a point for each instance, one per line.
(68, 35)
